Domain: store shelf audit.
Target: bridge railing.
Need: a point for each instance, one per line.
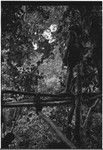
(51, 99)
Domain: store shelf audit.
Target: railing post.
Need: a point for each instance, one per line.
(70, 116)
(77, 132)
(38, 104)
(3, 126)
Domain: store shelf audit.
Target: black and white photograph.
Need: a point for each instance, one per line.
(51, 74)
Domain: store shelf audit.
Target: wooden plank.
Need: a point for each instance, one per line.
(58, 132)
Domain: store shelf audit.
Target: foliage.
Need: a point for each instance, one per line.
(93, 133)
(33, 45)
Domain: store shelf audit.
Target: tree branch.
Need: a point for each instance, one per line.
(89, 111)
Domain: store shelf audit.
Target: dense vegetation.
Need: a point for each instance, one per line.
(34, 58)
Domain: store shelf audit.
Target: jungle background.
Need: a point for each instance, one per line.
(33, 45)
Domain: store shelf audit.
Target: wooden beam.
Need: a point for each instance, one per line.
(58, 132)
(77, 132)
(32, 104)
(87, 97)
(51, 102)
(36, 94)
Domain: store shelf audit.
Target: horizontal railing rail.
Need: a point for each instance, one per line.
(52, 99)
(35, 94)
